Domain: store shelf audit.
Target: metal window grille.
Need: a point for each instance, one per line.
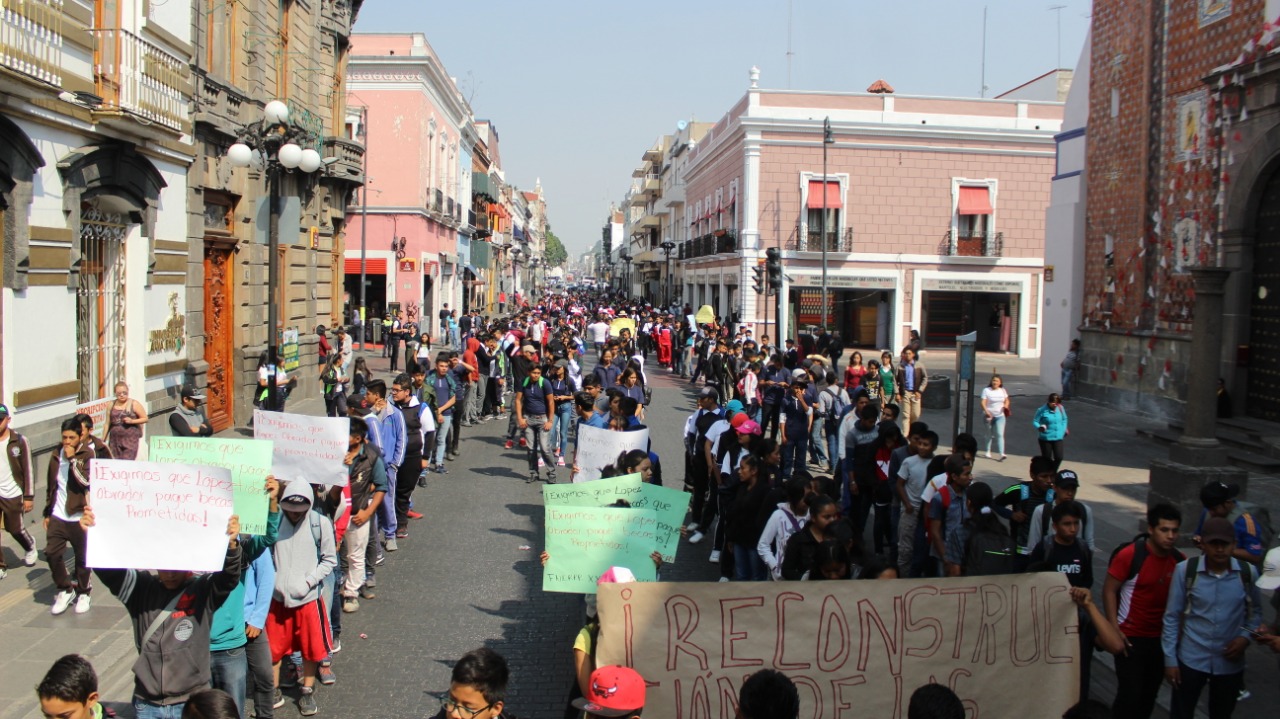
(100, 303)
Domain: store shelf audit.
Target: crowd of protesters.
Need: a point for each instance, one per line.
(798, 471)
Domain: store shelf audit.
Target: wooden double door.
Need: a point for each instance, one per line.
(219, 333)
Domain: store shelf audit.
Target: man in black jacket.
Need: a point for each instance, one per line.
(172, 614)
(187, 419)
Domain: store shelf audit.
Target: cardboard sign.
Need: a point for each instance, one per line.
(670, 506)
(853, 648)
(304, 447)
(599, 448)
(248, 459)
(158, 516)
(585, 541)
(596, 493)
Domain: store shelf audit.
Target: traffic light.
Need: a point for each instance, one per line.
(761, 284)
(773, 268)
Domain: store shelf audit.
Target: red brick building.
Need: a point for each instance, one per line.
(1183, 147)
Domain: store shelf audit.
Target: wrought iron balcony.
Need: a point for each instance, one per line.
(972, 244)
(710, 244)
(139, 77)
(31, 39)
(811, 240)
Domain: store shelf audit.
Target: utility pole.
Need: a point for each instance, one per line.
(1058, 9)
(984, 51)
(827, 139)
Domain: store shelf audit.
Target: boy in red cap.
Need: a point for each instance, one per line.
(614, 692)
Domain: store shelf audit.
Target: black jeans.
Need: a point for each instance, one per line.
(699, 481)
(770, 415)
(406, 482)
(1052, 450)
(1139, 673)
(1224, 689)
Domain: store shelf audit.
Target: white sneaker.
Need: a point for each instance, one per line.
(541, 463)
(3, 573)
(391, 545)
(988, 455)
(724, 579)
(61, 601)
(715, 556)
(695, 537)
(691, 527)
(82, 604)
(29, 558)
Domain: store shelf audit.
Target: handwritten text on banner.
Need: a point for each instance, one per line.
(306, 448)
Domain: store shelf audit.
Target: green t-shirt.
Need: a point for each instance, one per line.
(887, 389)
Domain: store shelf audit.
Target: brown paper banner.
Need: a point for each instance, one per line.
(1008, 645)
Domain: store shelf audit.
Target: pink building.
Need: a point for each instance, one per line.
(934, 215)
(405, 107)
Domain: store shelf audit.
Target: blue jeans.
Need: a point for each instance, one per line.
(560, 425)
(833, 446)
(995, 431)
(229, 670)
(1068, 380)
(794, 453)
(442, 439)
(143, 709)
(747, 565)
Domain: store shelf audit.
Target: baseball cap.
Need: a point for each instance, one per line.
(297, 496)
(799, 374)
(527, 348)
(562, 363)
(1270, 577)
(616, 575)
(738, 419)
(749, 427)
(1217, 529)
(733, 406)
(1067, 479)
(1215, 493)
(708, 393)
(189, 392)
(614, 691)
(4, 411)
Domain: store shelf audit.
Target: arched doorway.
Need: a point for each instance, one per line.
(1263, 396)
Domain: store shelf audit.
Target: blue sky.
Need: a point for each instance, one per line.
(578, 90)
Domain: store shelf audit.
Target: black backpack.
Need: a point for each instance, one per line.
(990, 553)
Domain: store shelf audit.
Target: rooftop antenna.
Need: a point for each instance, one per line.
(790, 54)
(1058, 9)
(984, 52)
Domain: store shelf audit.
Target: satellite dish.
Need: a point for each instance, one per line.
(682, 125)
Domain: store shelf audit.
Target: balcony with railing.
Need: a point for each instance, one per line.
(350, 159)
(716, 243)
(140, 78)
(972, 244)
(31, 39)
(810, 240)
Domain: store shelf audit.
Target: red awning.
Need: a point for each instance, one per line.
(974, 201)
(815, 195)
(372, 265)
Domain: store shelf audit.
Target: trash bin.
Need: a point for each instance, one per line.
(377, 332)
(937, 394)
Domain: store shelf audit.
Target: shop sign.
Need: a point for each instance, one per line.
(953, 284)
(863, 282)
(407, 264)
(289, 350)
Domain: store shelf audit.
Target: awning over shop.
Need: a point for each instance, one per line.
(372, 265)
(974, 201)
(832, 190)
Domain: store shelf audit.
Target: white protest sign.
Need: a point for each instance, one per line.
(158, 516)
(306, 448)
(599, 448)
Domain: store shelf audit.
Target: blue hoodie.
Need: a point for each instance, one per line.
(227, 631)
(1055, 423)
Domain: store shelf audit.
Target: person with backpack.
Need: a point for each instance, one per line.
(306, 557)
(983, 541)
(535, 406)
(1018, 501)
(789, 517)
(1214, 608)
(833, 405)
(911, 480)
(947, 514)
(1065, 486)
(800, 555)
(1251, 524)
(1067, 555)
(1134, 595)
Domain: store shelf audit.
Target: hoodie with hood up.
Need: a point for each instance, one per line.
(302, 564)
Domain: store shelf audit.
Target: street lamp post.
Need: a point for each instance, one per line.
(626, 273)
(272, 144)
(515, 270)
(667, 247)
(827, 139)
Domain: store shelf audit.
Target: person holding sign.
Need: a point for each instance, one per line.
(65, 500)
(172, 614)
(535, 405)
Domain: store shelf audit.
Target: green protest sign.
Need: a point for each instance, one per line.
(670, 506)
(596, 493)
(248, 459)
(583, 542)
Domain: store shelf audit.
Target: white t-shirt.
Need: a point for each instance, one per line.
(914, 471)
(599, 332)
(9, 488)
(993, 400)
(60, 499)
(264, 375)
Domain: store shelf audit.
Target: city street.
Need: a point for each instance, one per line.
(468, 575)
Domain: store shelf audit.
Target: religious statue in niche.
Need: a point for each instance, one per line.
(1190, 125)
(1186, 235)
(1212, 11)
(174, 333)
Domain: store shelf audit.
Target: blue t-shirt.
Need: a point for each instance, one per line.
(443, 393)
(797, 418)
(535, 397)
(953, 517)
